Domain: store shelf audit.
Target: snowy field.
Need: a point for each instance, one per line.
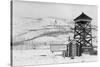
(38, 57)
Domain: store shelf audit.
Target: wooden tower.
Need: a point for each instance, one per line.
(82, 31)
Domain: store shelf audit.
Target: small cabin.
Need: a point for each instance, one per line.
(73, 49)
(68, 50)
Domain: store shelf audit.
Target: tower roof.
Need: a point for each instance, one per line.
(83, 16)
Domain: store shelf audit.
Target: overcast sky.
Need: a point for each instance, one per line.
(23, 9)
(39, 9)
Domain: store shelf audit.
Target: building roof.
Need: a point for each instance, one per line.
(83, 16)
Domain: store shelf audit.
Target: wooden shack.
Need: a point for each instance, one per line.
(73, 49)
(70, 49)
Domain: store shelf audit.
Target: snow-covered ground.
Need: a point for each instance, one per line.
(38, 57)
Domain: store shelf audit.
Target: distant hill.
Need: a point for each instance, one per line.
(46, 27)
